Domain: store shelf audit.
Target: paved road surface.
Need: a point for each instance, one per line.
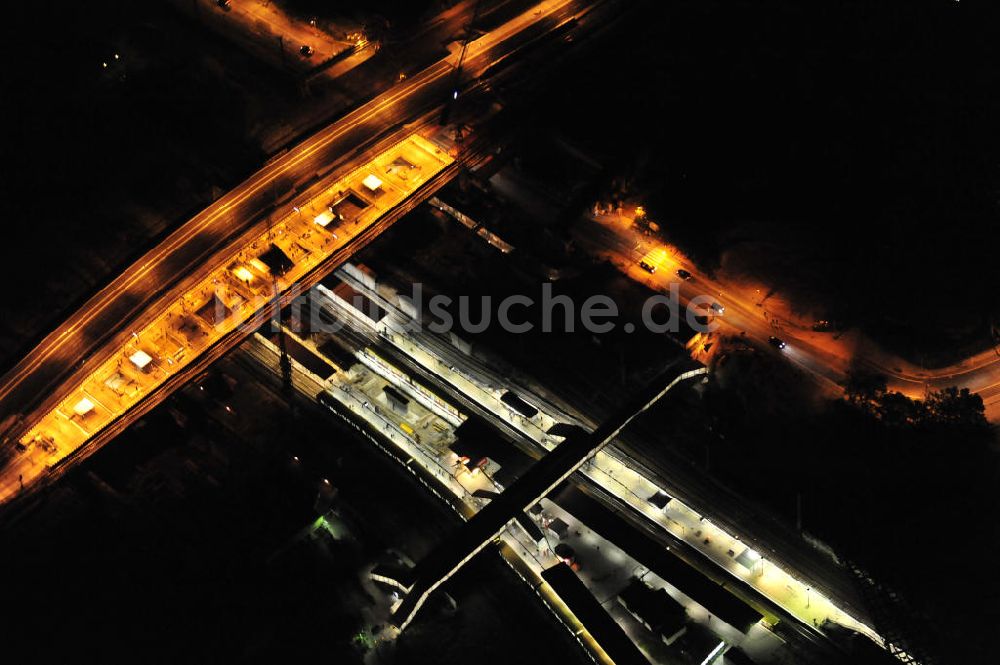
(71, 350)
(980, 373)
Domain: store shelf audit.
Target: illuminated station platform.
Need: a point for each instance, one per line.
(243, 281)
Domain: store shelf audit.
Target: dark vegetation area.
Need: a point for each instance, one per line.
(496, 624)
(187, 540)
(178, 543)
(846, 153)
(902, 487)
(843, 151)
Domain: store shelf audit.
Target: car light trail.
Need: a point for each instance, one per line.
(241, 284)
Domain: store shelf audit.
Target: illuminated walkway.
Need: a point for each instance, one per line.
(356, 392)
(607, 469)
(229, 300)
(527, 490)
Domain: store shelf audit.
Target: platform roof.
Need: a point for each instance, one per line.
(140, 359)
(593, 616)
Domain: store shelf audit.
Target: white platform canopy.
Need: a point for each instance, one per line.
(83, 407)
(371, 182)
(140, 359)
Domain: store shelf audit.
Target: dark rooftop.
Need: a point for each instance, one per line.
(667, 564)
(276, 260)
(595, 618)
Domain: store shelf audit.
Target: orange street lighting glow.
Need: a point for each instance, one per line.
(140, 359)
(218, 305)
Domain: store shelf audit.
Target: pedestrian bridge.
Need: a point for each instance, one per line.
(555, 467)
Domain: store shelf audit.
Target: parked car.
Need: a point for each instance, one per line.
(684, 274)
